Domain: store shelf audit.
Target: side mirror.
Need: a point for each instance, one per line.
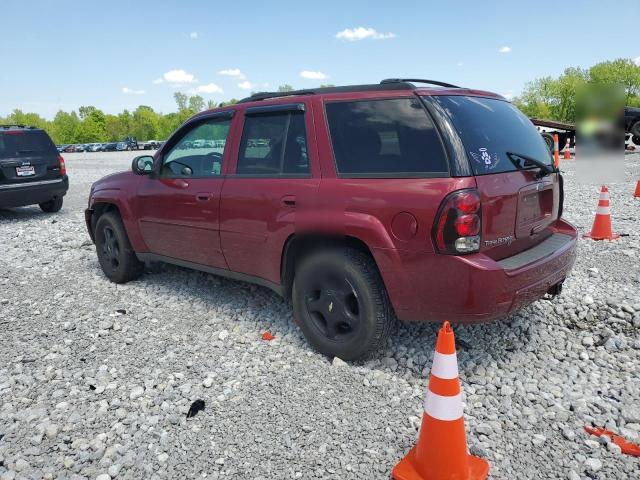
(142, 165)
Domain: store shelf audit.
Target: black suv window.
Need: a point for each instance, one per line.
(199, 152)
(25, 143)
(274, 144)
(489, 128)
(392, 138)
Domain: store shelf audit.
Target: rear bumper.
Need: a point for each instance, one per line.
(475, 288)
(31, 193)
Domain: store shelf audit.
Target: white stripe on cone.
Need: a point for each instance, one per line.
(443, 408)
(603, 211)
(604, 196)
(445, 366)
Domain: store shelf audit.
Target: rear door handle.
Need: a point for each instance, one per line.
(289, 201)
(203, 197)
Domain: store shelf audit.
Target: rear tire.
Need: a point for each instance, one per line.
(52, 206)
(635, 130)
(341, 303)
(636, 139)
(117, 259)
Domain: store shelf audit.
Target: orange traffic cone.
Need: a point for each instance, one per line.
(601, 229)
(441, 451)
(637, 192)
(556, 151)
(567, 153)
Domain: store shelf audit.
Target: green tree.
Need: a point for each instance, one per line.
(64, 127)
(285, 88)
(181, 100)
(86, 111)
(623, 72)
(145, 123)
(196, 103)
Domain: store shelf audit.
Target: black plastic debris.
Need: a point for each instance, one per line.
(196, 406)
(92, 387)
(121, 311)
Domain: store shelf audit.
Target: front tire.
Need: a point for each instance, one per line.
(341, 303)
(52, 206)
(117, 259)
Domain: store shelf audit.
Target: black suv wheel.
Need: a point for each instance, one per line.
(52, 206)
(117, 259)
(341, 303)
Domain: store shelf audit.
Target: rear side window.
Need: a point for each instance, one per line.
(274, 144)
(25, 143)
(381, 138)
(489, 128)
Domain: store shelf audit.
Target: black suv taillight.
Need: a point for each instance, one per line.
(458, 223)
(62, 166)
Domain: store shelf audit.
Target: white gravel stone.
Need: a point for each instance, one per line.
(136, 393)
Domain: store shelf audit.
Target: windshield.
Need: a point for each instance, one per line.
(20, 143)
(489, 128)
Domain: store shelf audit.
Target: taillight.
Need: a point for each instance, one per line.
(61, 165)
(457, 226)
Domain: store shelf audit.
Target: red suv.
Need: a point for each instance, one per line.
(360, 203)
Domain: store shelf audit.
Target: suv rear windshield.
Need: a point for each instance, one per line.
(25, 143)
(385, 138)
(489, 128)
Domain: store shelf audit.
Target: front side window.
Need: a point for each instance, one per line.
(199, 152)
(274, 144)
(392, 137)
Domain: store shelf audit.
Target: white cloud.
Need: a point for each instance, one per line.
(178, 77)
(460, 64)
(208, 88)
(232, 72)
(130, 91)
(311, 75)
(193, 35)
(362, 33)
(637, 61)
(508, 96)
(158, 81)
(246, 85)
(504, 49)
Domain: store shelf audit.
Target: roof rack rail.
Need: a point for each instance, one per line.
(267, 95)
(343, 89)
(417, 80)
(15, 125)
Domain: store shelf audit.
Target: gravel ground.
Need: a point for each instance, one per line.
(96, 379)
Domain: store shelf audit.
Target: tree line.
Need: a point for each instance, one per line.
(91, 125)
(557, 98)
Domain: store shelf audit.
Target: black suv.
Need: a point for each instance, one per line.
(31, 169)
(632, 123)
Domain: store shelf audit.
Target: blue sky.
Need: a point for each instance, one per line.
(119, 54)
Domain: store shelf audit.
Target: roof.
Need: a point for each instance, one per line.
(385, 85)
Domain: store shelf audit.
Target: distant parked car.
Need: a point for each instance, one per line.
(31, 169)
(110, 147)
(94, 147)
(632, 123)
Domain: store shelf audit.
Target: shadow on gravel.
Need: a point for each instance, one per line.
(22, 213)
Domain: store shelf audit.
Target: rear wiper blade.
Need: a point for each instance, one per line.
(545, 168)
